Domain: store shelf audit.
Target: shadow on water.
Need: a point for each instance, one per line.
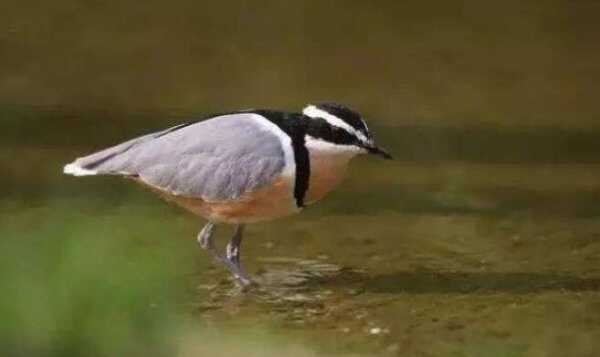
(326, 296)
(428, 282)
(311, 284)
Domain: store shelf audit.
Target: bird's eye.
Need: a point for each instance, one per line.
(341, 136)
(337, 133)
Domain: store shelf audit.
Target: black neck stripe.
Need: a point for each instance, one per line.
(302, 170)
(295, 126)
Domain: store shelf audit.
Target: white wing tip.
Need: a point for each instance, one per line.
(76, 170)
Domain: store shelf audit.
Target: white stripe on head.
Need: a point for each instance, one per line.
(314, 112)
(322, 146)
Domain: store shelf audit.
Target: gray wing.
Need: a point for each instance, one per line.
(217, 159)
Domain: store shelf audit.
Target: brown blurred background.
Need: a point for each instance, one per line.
(510, 63)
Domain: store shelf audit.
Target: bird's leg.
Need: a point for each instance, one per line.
(233, 255)
(233, 248)
(205, 238)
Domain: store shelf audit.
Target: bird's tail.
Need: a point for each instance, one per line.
(115, 160)
(108, 161)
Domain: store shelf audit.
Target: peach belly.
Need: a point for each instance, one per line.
(326, 172)
(276, 200)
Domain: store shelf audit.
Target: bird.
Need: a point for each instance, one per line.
(241, 167)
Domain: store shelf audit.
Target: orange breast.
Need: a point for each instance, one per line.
(273, 201)
(326, 172)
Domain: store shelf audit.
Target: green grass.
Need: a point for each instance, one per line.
(76, 282)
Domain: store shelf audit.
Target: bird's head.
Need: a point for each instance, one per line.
(341, 126)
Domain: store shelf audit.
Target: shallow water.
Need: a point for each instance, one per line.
(442, 257)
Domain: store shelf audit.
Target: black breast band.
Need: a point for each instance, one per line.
(295, 126)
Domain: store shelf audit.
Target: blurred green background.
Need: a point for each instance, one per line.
(481, 239)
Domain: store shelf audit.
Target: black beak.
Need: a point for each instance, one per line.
(376, 150)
